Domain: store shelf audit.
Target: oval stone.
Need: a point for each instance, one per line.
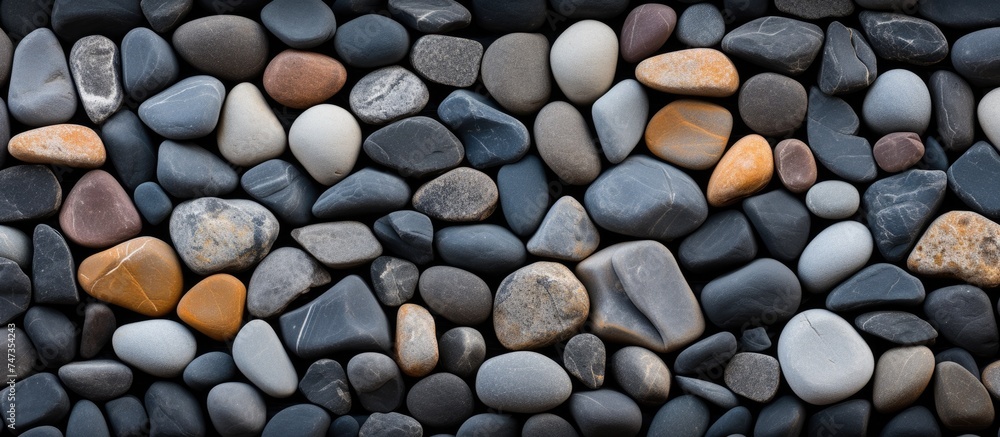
(159, 347)
(693, 72)
(898, 101)
(833, 200)
(898, 151)
(745, 169)
(646, 29)
(901, 376)
(689, 133)
(300, 79)
(833, 255)
(539, 305)
(761, 293)
(98, 213)
(70, 145)
(795, 165)
(416, 346)
(214, 306)
(41, 89)
(143, 275)
(564, 142)
(230, 47)
(522, 382)
(326, 140)
(515, 70)
(583, 60)
(970, 55)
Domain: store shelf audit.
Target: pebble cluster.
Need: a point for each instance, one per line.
(543, 218)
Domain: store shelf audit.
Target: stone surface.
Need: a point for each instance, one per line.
(129, 148)
(248, 131)
(515, 69)
(935, 157)
(899, 37)
(371, 41)
(605, 411)
(538, 305)
(781, 220)
(490, 136)
(159, 347)
(899, 207)
(958, 244)
(620, 118)
(714, 393)
(812, 10)
(394, 280)
(460, 195)
(408, 234)
(583, 60)
(95, 64)
(514, 16)
(547, 424)
(325, 384)
(692, 72)
(782, 98)
(236, 409)
(229, 47)
(153, 203)
(961, 401)
(282, 188)
(898, 327)
(70, 145)
(585, 358)
(745, 169)
(148, 64)
(366, 191)
(968, 178)
(186, 110)
(564, 143)
(127, 416)
(461, 351)
(388, 94)
(431, 16)
(989, 117)
(53, 270)
(300, 419)
(753, 376)
(435, 150)
(85, 419)
(724, 241)
(41, 91)
(214, 306)
(898, 151)
(390, 424)
(377, 381)
(735, 421)
(962, 314)
(701, 25)
(708, 356)
(875, 286)
(832, 128)
(447, 60)
(524, 194)
(522, 382)
(97, 380)
(39, 400)
(98, 213)
(6, 57)
(833, 255)
(785, 45)
(209, 370)
(968, 14)
(685, 415)
(480, 248)
(954, 107)
(142, 275)
(217, 235)
(301, 79)
(760, 293)
(566, 233)
(898, 101)
(440, 400)
(848, 63)
(99, 326)
(901, 376)
(282, 276)
(260, 356)
(833, 200)
(299, 24)
(163, 15)
(326, 140)
(850, 417)
(339, 245)
(415, 345)
(642, 374)
(647, 27)
(455, 294)
(689, 133)
(173, 410)
(967, 57)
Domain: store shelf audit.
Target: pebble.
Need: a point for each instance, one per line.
(755, 340)
(97, 380)
(849, 417)
(724, 241)
(348, 317)
(538, 305)
(990, 378)
(213, 235)
(415, 344)
(394, 424)
(812, 10)
(522, 382)
(98, 327)
(640, 277)
(565, 145)
(795, 165)
(683, 416)
(41, 91)
(366, 191)
(642, 374)
(512, 16)
(150, 282)
(462, 194)
(781, 97)
(214, 306)
(898, 327)
(989, 116)
(566, 233)
(961, 401)
(958, 244)
(455, 294)
(691, 72)
(707, 357)
(461, 351)
(782, 222)
(620, 119)
(260, 356)
(95, 64)
(159, 347)
(899, 37)
(480, 248)
(524, 194)
(236, 409)
(371, 41)
(848, 63)
(152, 202)
(325, 384)
(745, 169)
(833, 255)
(85, 419)
(281, 277)
(646, 29)
(689, 133)
(605, 412)
(52, 266)
(440, 400)
(875, 286)
(131, 151)
(377, 381)
(917, 420)
(447, 60)
(701, 25)
(969, 14)
(786, 416)
(394, 280)
(963, 315)
(387, 95)
(299, 24)
(431, 16)
(301, 79)
(40, 400)
(68, 145)
(6, 57)
(248, 131)
(596, 9)
(960, 356)
(832, 128)
(515, 69)
(898, 101)
(173, 410)
(763, 292)
(393, 146)
(326, 140)
(18, 292)
(18, 17)
(75, 20)
(304, 420)
(714, 393)
(547, 425)
(585, 358)
(186, 110)
(969, 55)
(901, 376)
(408, 234)
(969, 178)
(126, 416)
(209, 370)
(583, 60)
(899, 207)
(898, 151)
(781, 44)
(490, 136)
(16, 246)
(229, 47)
(163, 15)
(833, 200)
(282, 188)
(735, 421)
(753, 376)
(148, 64)
(98, 213)
(827, 371)
(934, 156)
(344, 426)
(339, 245)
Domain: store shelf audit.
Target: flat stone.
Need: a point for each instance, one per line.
(753, 376)
(395, 424)
(377, 381)
(961, 401)
(627, 308)
(812, 10)
(326, 140)
(301, 79)
(898, 101)
(455, 294)
(260, 356)
(159, 347)
(514, 16)
(620, 119)
(142, 275)
(642, 374)
(898, 151)
(52, 268)
(214, 306)
(98, 213)
(735, 421)
(357, 47)
(98, 327)
(848, 63)
(446, 60)
(795, 165)
(539, 305)
(393, 147)
(408, 234)
(646, 29)
(782, 222)
(833, 200)
(339, 245)
(899, 207)
(958, 244)
(209, 370)
(84, 419)
(229, 47)
(480, 248)
(431, 16)
(714, 393)
(701, 25)
(898, 327)
(325, 384)
(387, 95)
(95, 64)
(348, 317)
(878, 285)
(282, 188)
(762, 293)
(248, 131)
(186, 110)
(215, 235)
(77, 19)
(989, 117)
(968, 56)
(148, 64)
(832, 128)
(440, 400)
(305, 420)
(963, 315)
(129, 148)
(780, 96)
(153, 203)
(564, 143)
(366, 191)
(901, 376)
(548, 424)
(41, 91)
(827, 371)
(968, 178)
(522, 382)
(745, 169)
(299, 24)
(707, 357)
(40, 400)
(163, 15)
(691, 72)
(850, 417)
(566, 233)
(585, 358)
(781, 44)
(173, 410)
(755, 340)
(968, 14)
(394, 280)
(605, 411)
(236, 408)
(462, 194)
(490, 136)
(833, 255)
(724, 241)
(515, 68)
(415, 344)
(281, 277)
(69, 145)
(584, 72)
(524, 194)
(900, 37)
(461, 351)
(97, 380)
(689, 133)
(685, 415)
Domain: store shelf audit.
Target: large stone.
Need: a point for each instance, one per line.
(98, 213)
(41, 89)
(159, 347)
(188, 109)
(848, 63)
(959, 244)
(899, 207)
(961, 401)
(900, 37)
(692, 72)
(782, 44)
(227, 46)
(898, 101)
(415, 147)
(281, 277)
(522, 382)
(969, 55)
(762, 293)
(148, 64)
(491, 137)
(339, 245)
(539, 305)
(583, 60)
(515, 71)
(94, 62)
(214, 235)
(142, 274)
(260, 356)
(964, 316)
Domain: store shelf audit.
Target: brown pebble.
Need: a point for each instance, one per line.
(690, 133)
(796, 167)
(898, 151)
(693, 72)
(300, 79)
(646, 29)
(142, 274)
(962, 245)
(214, 306)
(98, 212)
(416, 340)
(961, 401)
(901, 376)
(744, 170)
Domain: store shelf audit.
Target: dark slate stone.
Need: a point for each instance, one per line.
(735, 421)
(755, 340)
(761, 293)
(282, 188)
(43, 431)
(430, 16)
(97, 380)
(28, 192)
(173, 410)
(898, 209)
(744, 10)
(99, 326)
(447, 60)
(27, 362)
(225, 46)
(846, 418)
(408, 234)
(877, 285)
(371, 41)
(524, 194)
(935, 158)
(394, 280)
(345, 317)
(961, 14)
(510, 16)
(366, 191)
(701, 25)
(75, 19)
(53, 334)
(900, 37)
(459, 296)
(954, 110)
(707, 357)
(960, 356)
(783, 417)
(376, 379)
(415, 147)
(898, 327)
(547, 425)
(684, 416)
(781, 98)
(344, 426)
(781, 44)
(20, 18)
(188, 171)
(971, 56)
(152, 202)
(972, 178)
(588, 9)
(724, 241)
(325, 384)
(915, 421)
(848, 62)
(148, 65)
(38, 400)
(781, 220)
(127, 417)
(129, 149)
(585, 358)
(305, 420)
(209, 370)
(163, 15)
(41, 89)
(605, 412)
(481, 248)
(709, 391)
(440, 400)
(86, 420)
(16, 290)
(391, 424)
(831, 127)
(300, 24)
(462, 350)
(491, 136)
(963, 315)
(492, 424)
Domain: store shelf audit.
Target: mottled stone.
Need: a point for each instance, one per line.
(848, 62)
(98, 213)
(958, 244)
(395, 424)
(300, 79)
(69, 145)
(693, 72)
(416, 346)
(447, 60)
(646, 29)
(782, 44)
(230, 47)
(214, 235)
(388, 94)
(538, 305)
(565, 145)
(339, 245)
(585, 358)
(745, 169)
(142, 274)
(689, 133)
(642, 374)
(795, 165)
(460, 195)
(899, 207)
(94, 62)
(325, 384)
(815, 10)
(701, 25)
(753, 376)
(566, 233)
(394, 280)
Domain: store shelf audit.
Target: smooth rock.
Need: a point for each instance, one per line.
(126, 416)
(325, 384)
(686, 416)
(214, 306)
(415, 344)
(899, 207)
(377, 381)
(431, 16)
(898, 151)
(620, 119)
(642, 374)
(564, 143)
(512, 16)
(371, 41)
(98, 213)
(490, 136)
(964, 316)
(41, 91)
(16, 246)
(707, 357)
(833, 255)
(339, 245)
(832, 128)
(326, 140)
(989, 116)
(461, 351)
(367, 191)
(689, 133)
(761, 293)
(692, 72)
(848, 63)
(782, 222)
(305, 420)
(960, 356)
(260, 356)
(969, 55)
(394, 280)
(522, 382)
(440, 400)
(795, 165)
(152, 202)
(849, 417)
(916, 420)
(781, 97)
(753, 376)
(408, 234)
(299, 24)
(583, 60)
(447, 60)
(52, 267)
(646, 29)
(480, 248)
(961, 401)
(782, 44)
(148, 64)
(812, 10)
(735, 421)
(701, 25)
(455, 294)
(954, 109)
(248, 131)
(515, 68)
(129, 148)
(209, 370)
(159, 347)
(281, 277)
(142, 275)
(524, 194)
(97, 380)
(934, 156)
(603, 412)
(68, 145)
(958, 244)
(898, 101)
(387, 95)
(301, 79)
(833, 200)
(990, 378)
(898, 327)
(394, 146)
(585, 358)
(227, 46)
(173, 410)
(538, 305)
(875, 286)
(85, 419)
(236, 409)
(186, 110)
(38, 400)
(73, 20)
(714, 393)
(98, 327)
(548, 425)
(755, 340)
(745, 169)
(163, 15)
(566, 233)
(355, 7)
(900, 37)
(968, 178)
(786, 416)
(215, 235)
(901, 376)
(394, 424)
(966, 14)
(724, 241)
(282, 188)
(95, 64)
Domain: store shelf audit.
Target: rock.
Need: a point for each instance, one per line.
(39, 400)
(989, 378)
(811, 366)
(605, 411)
(371, 41)
(214, 306)
(152, 202)
(899, 207)
(692, 72)
(584, 358)
(457, 295)
(762, 293)
(898, 327)
(735, 421)
(142, 275)
(709, 391)
(440, 400)
(446, 60)
(249, 133)
(391, 424)
(538, 305)
(899, 37)
(833, 255)
(260, 356)
(98, 213)
(186, 110)
(547, 424)
(833, 200)
(163, 15)
(299, 24)
(898, 151)
(52, 267)
(780, 96)
(968, 56)
(689, 133)
(227, 46)
(280, 278)
(173, 410)
(68, 145)
(564, 143)
(218, 235)
(641, 374)
(367, 191)
(300, 79)
(408, 234)
(6, 57)
(339, 245)
(431, 16)
(515, 69)
(302, 420)
(875, 286)
(961, 401)
(745, 169)
(701, 25)
(393, 146)
(84, 419)
(934, 156)
(584, 71)
(782, 222)
(461, 351)
(377, 381)
(130, 149)
(94, 62)
(524, 194)
(898, 101)
(209, 370)
(282, 188)
(683, 416)
(707, 357)
(347, 318)
(325, 384)
(901, 376)
(614, 204)
(989, 116)
(753, 376)
(236, 409)
(832, 129)
(159, 347)
(785, 45)
(620, 118)
(326, 140)
(522, 382)
(416, 345)
(490, 136)
(566, 233)
(480, 248)
(394, 280)
(812, 10)
(388, 94)
(41, 91)
(968, 177)
(755, 340)
(514, 16)
(462, 194)
(848, 63)
(75, 20)
(148, 64)
(960, 356)
(97, 380)
(786, 416)
(958, 244)
(963, 315)
(968, 14)
(619, 280)
(725, 240)
(98, 327)
(646, 29)
(126, 416)
(850, 417)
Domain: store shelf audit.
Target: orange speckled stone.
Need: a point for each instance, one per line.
(690, 133)
(214, 306)
(142, 274)
(745, 169)
(962, 245)
(693, 72)
(416, 340)
(61, 144)
(299, 79)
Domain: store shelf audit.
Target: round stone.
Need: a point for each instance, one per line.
(692, 72)
(300, 79)
(761, 293)
(236, 409)
(833, 255)
(462, 351)
(98, 213)
(795, 165)
(213, 235)
(371, 41)
(960, 400)
(388, 94)
(564, 142)
(457, 295)
(481, 248)
(515, 70)
(159, 347)
(898, 101)
(230, 47)
(772, 105)
(689, 133)
(833, 200)
(539, 305)
(209, 370)
(585, 358)
(583, 60)
(898, 151)
(522, 382)
(460, 195)
(701, 25)
(901, 376)
(440, 400)
(326, 140)
(753, 376)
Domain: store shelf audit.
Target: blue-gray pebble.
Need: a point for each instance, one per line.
(28, 192)
(524, 194)
(763, 292)
(900, 37)
(900, 207)
(209, 370)
(971, 177)
(371, 41)
(832, 127)
(189, 171)
(780, 44)
(86, 420)
(41, 89)
(481, 248)
(366, 191)
(415, 147)
(148, 65)
(129, 148)
(173, 410)
(188, 109)
(874, 286)
(300, 24)
(52, 267)
(724, 241)
(683, 416)
(282, 188)
(306, 420)
(152, 202)
(605, 412)
(430, 16)
(701, 25)
(491, 137)
(970, 55)
(408, 234)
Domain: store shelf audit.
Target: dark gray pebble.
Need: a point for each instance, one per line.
(459, 296)
(713, 393)
(970, 56)
(874, 286)
(38, 400)
(782, 44)
(302, 420)
(53, 334)
(900, 37)
(783, 417)
(683, 416)
(848, 417)
(724, 241)
(899, 208)
(832, 127)
(701, 25)
(28, 192)
(371, 41)
(394, 280)
(127, 417)
(163, 15)
(86, 420)
(781, 220)
(366, 191)
(300, 24)
(75, 19)
(735, 421)
(585, 358)
(430, 16)
(188, 171)
(954, 108)
(755, 340)
(209, 370)
(480, 248)
(173, 410)
(377, 380)
(762, 293)
(325, 384)
(963, 315)
(707, 357)
(462, 350)
(152, 202)
(408, 234)
(848, 62)
(97, 380)
(524, 194)
(898, 327)
(99, 326)
(510, 16)
(16, 292)
(148, 65)
(282, 188)
(916, 421)
(547, 425)
(129, 148)
(441, 400)
(491, 136)
(415, 147)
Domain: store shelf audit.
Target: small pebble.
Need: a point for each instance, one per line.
(447, 60)
(701, 25)
(209, 370)
(282, 188)
(898, 101)
(462, 351)
(455, 294)
(753, 376)
(325, 384)
(159, 347)
(515, 69)
(301, 79)
(394, 280)
(260, 356)
(371, 41)
(585, 358)
(564, 143)
(97, 380)
(299, 24)
(833, 255)
(833, 200)
(642, 374)
(236, 409)
(387, 95)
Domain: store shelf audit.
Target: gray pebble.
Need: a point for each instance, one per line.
(394, 280)
(41, 89)
(371, 41)
(84, 420)
(709, 391)
(761, 293)
(899, 207)
(833, 255)
(391, 424)
(163, 15)
(415, 147)
(188, 109)
(785, 45)
(441, 400)
(460, 195)
(325, 384)
(366, 191)
(585, 358)
(969, 54)
(547, 425)
(954, 110)
(566, 233)
(524, 194)
(455, 294)
(848, 62)
(490, 136)
(605, 412)
(283, 188)
(388, 94)
(564, 142)
(16, 246)
(755, 340)
(187, 171)
(481, 248)
(898, 101)
(447, 60)
(209, 370)
(339, 245)
(753, 376)
(683, 416)
(236, 409)
(300, 24)
(129, 148)
(159, 347)
(522, 382)
(99, 326)
(260, 356)
(515, 71)
(701, 25)
(148, 64)
(620, 117)
(431, 16)
(377, 381)
(408, 234)
(97, 380)
(642, 374)
(152, 202)
(462, 351)
(173, 410)
(281, 277)
(707, 357)
(833, 200)
(94, 62)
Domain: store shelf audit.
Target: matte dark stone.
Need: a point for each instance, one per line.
(832, 128)
(961, 14)
(899, 208)
(457, 295)
(707, 357)
(524, 194)
(53, 334)
(377, 380)
(935, 158)
(547, 425)
(903, 38)
(209, 370)
(415, 147)
(43, 431)
(391, 424)
(127, 417)
(440, 400)
(701, 25)
(129, 149)
(86, 420)
(38, 400)
(371, 41)
(300, 24)
(16, 291)
(878, 285)
(782, 44)
(344, 426)
(648, 26)
(152, 202)
(848, 62)
(173, 410)
(366, 191)
(898, 327)
(783, 417)
(915, 421)
(430, 16)
(228, 47)
(97, 380)
(970, 55)
(408, 234)
(585, 358)
(480, 248)
(735, 421)
(724, 241)
(163, 15)
(954, 108)
(98, 327)
(960, 356)
(510, 16)
(847, 418)
(684, 416)
(462, 350)
(781, 220)
(28, 192)
(75, 19)
(188, 171)
(491, 136)
(713, 393)
(325, 384)
(772, 105)
(305, 420)
(971, 178)
(394, 280)
(20, 18)
(282, 188)
(761, 293)
(755, 340)
(963, 315)
(605, 412)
